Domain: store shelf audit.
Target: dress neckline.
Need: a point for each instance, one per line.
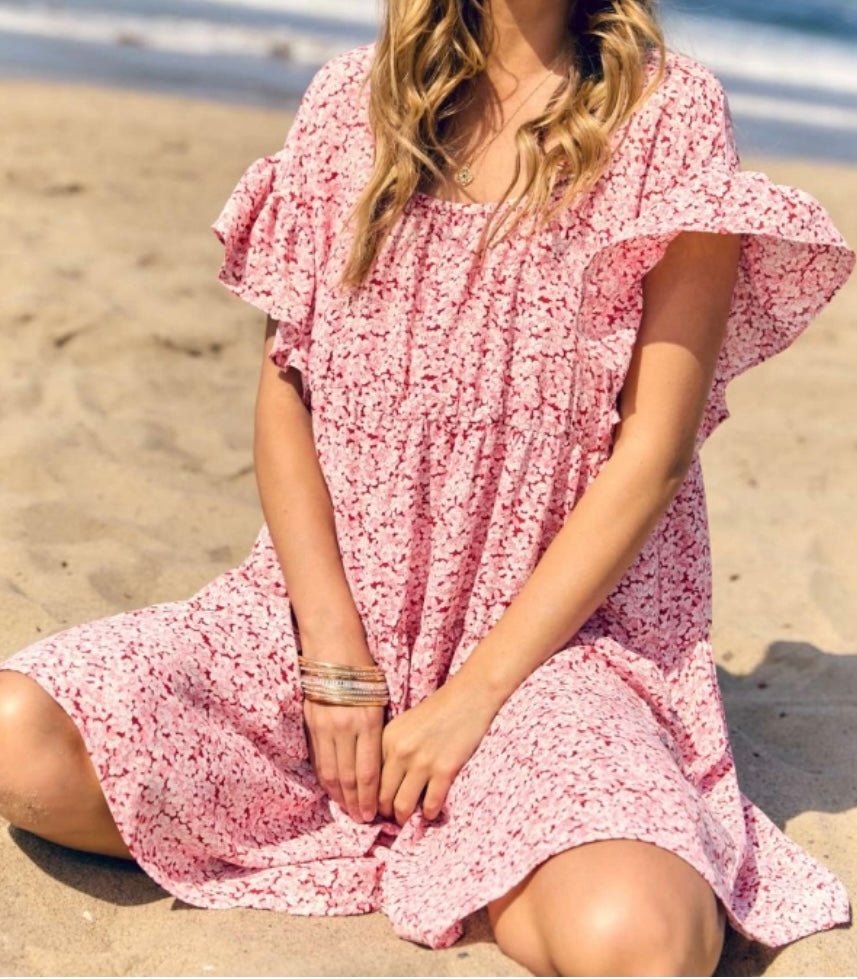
(464, 207)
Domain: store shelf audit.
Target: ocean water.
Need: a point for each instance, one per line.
(789, 66)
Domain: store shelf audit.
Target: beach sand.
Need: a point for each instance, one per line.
(129, 375)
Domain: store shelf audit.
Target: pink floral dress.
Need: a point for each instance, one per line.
(459, 413)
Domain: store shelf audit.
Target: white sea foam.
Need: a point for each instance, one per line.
(183, 35)
(767, 53)
(753, 51)
(362, 11)
(794, 111)
(808, 80)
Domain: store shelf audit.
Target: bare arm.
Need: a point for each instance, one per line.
(686, 304)
(343, 742)
(299, 514)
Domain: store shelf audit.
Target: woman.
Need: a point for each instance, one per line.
(478, 463)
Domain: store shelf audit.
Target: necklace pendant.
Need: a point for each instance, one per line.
(464, 175)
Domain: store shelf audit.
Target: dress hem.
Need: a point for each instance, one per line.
(377, 900)
(449, 935)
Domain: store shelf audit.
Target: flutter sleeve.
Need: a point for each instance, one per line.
(267, 230)
(793, 259)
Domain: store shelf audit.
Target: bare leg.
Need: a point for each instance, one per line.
(612, 907)
(48, 785)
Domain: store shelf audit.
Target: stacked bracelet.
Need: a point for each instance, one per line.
(332, 683)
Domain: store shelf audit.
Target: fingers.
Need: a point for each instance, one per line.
(344, 747)
(435, 796)
(402, 786)
(407, 798)
(327, 767)
(367, 770)
(358, 759)
(346, 754)
(362, 774)
(391, 778)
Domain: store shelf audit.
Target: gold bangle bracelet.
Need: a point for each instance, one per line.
(340, 685)
(357, 678)
(347, 701)
(375, 690)
(344, 685)
(316, 666)
(348, 677)
(342, 681)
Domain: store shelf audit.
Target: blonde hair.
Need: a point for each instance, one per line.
(425, 63)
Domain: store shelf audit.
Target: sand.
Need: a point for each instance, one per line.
(129, 375)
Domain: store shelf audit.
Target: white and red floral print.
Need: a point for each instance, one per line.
(459, 412)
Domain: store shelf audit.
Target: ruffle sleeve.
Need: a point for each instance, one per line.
(793, 259)
(267, 231)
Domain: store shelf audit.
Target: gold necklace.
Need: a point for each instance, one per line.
(463, 174)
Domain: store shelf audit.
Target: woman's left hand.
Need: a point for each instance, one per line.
(426, 746)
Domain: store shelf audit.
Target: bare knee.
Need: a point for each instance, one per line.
(29, 714)
(516, 933)
(617, 932)
(614, 937)
(616, 907)
(48, 784)
(40, 748)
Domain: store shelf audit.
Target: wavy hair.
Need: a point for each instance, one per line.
(426, 62)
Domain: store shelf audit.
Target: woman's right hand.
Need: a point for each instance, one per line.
(344, 744)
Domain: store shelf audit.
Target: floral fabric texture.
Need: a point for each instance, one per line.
(459, 412)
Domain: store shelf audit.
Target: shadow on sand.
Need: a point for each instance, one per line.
(792, 725)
